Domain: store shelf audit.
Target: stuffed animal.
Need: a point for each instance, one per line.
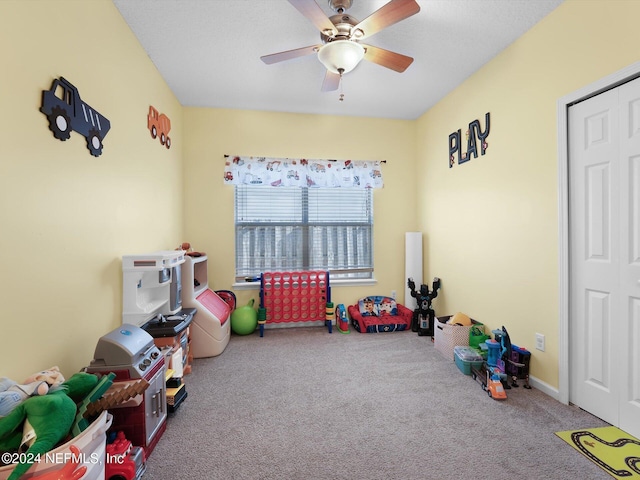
(12, 393)
(51, 417)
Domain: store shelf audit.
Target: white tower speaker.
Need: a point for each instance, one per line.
(412, 265)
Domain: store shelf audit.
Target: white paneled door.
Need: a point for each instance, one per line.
(604, 242)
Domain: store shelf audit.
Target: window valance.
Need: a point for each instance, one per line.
(301, 172)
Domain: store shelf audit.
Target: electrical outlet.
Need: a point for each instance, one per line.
(540, 342)
(393, 294)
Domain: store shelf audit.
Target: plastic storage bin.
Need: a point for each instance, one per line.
(467, 357)
(92, 444)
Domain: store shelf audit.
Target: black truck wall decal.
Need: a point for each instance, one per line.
(66, 111)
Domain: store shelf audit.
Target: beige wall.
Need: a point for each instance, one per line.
(68, 217)
(209, 218)
(492, 223)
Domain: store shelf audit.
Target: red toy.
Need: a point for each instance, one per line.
(124, 461)
(69, 471)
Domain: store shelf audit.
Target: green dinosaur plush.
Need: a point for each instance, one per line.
(51, 417)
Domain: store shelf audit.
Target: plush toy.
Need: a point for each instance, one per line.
(12, 394)
(51, 417)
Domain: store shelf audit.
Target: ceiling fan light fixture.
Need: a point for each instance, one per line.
(341, 56)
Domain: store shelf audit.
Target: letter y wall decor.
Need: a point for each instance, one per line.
(476, 139)
(66, 111)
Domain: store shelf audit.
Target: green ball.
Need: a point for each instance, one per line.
(244, 320)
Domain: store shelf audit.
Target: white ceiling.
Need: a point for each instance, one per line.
(208, 52)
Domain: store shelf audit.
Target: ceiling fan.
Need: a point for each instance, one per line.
(341, 50)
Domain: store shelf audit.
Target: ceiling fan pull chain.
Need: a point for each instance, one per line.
(341, 98)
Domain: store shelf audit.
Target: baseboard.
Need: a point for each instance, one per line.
(312, 323)
(553, 392)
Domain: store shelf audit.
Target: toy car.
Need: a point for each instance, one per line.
(490, 382)
(495, 389)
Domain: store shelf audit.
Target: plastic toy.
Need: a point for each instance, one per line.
(12, 394)
(330, 316)
(342, 322)
(51, 417)
(490, 381)
(124, 461)
(516, 359)
(494, 352)
(244, 320)
(69, 471)
(228, 296)
(495, 389)
(424, 316)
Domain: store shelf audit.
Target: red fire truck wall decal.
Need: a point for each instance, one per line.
(159, 125)
(66, 111)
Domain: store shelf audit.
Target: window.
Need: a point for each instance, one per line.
(293, 228)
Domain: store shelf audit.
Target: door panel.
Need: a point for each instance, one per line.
(604, 235)
(593, 227)
(629, 333)
(598, 322)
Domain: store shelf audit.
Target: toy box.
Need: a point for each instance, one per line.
(448, 336)
(467, 357)
(92, 444)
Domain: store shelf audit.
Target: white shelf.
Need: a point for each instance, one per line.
(194, 268)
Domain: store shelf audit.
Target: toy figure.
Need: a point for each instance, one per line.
(423, 316)
(12, 394)
(51, 417)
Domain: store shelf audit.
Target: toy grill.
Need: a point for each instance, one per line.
(129, 352)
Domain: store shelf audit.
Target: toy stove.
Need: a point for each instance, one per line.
(130, 353)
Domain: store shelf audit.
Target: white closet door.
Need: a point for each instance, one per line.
(604, 234)
(628, 338)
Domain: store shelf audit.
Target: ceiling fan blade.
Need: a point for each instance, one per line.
(331, 81)
(387, 15)
(289, 54)
(313, 12)
(394, 61)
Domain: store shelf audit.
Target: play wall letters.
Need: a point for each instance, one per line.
(475, 136)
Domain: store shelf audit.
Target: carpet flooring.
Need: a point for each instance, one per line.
(300, 403)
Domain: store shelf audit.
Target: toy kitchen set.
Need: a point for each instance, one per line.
(166, 291)
(163, 327)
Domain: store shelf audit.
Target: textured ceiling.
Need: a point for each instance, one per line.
(208, 52)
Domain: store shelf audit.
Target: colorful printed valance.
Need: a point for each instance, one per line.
(301, 172)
